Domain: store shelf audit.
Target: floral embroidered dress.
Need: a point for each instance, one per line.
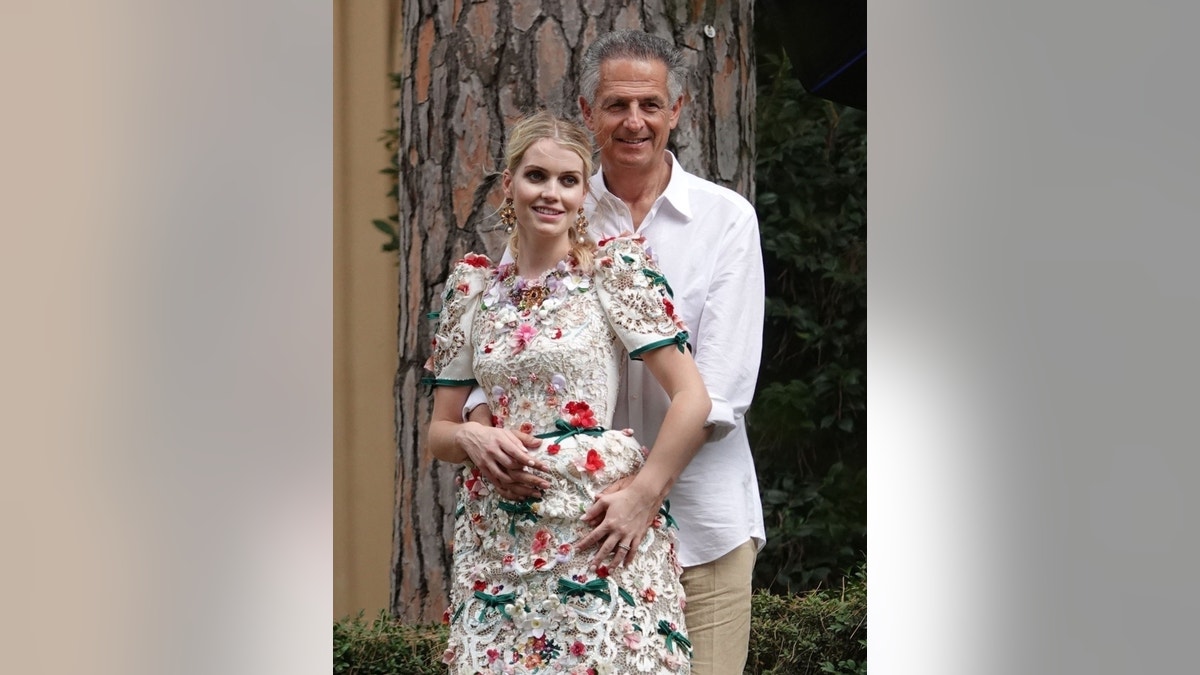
(547, 353)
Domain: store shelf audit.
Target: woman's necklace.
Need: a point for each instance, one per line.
(528, 294)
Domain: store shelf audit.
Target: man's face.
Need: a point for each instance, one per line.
(631, 117)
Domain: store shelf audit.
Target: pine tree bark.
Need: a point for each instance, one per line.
(467, 71)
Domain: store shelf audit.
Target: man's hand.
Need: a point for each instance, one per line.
(620, 516)
(501, 456)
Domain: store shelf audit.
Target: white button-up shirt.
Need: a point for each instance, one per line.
(705, 239)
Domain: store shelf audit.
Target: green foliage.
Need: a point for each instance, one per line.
(816, 526)
(817, 632)
(808, 421)
(387, 647)
(802, 634)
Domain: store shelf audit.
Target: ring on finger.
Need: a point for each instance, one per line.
(623, 547)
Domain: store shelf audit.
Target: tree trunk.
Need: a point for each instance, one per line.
(467, 71)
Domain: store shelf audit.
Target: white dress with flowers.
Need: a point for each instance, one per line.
(547, 353)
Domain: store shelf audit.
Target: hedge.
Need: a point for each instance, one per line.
(823, 631)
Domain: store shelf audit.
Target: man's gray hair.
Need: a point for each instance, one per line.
(631, 44)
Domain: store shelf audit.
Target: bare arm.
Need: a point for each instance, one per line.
(621, 515)
(498, 453)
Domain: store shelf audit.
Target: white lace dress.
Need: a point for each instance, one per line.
(547, 353)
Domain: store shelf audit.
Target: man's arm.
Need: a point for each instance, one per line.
(729, 343)
(622, 514)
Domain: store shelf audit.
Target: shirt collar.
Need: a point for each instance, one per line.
(676, 194)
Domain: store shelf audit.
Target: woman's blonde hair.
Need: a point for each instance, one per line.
(538, 126)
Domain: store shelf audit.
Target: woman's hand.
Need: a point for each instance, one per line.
(620, 517)
(502, 458)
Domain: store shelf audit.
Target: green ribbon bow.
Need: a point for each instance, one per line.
(659, 279)
(680, 340)
(564, 430)
(494, 602)
(673, 637)
(597, 587)
(522, 510)
(665, 512)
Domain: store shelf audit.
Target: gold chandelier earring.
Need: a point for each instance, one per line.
(508, 215)
(581, 225)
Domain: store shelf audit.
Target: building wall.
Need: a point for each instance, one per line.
(365, 309)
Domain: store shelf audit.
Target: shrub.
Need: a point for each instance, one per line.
(821, 631)
(387, 647)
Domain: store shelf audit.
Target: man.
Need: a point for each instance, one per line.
(705, 238)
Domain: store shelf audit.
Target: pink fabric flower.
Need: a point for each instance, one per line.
(633, 640)
(578, 648)
(448, 656)
(522, 336)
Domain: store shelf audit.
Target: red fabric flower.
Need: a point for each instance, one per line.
(579, 414)
(553, 448)
(527, 427)
(602, 571)
(538, 563)
(541, 539)
(594, 461)
(476, 260)
(578, 648)
(669, 307)
(480, 584)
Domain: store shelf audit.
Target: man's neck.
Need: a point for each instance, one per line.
(639, 189)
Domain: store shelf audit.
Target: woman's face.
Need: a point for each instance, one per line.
(547, 189)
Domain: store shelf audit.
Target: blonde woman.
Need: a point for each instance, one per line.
(544, 337)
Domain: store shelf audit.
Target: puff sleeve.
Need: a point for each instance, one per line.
(637, 298)
(452, 361)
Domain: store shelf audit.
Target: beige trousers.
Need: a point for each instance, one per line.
(718, 611)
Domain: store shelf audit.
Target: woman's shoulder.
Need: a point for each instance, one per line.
(469, 275)
(623, 250)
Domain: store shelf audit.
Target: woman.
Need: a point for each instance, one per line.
(544, 336)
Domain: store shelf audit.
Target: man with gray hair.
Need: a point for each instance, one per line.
(706, 240)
